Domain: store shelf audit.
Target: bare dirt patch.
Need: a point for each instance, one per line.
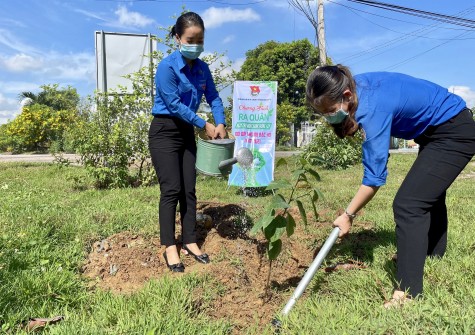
(124, 262)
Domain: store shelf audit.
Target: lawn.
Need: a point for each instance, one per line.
(50, 227)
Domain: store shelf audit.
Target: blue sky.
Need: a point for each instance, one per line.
(52, 41)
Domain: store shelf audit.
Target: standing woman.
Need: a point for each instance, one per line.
(385, 104)
(181, 80)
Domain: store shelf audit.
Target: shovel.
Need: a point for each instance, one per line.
(243, 156)
(309, 274)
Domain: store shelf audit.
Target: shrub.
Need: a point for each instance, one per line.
(332, 153)
(37, 127)
(5, 140)
(112, 140)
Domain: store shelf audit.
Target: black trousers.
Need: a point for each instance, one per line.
(173, 149)
(419, 206)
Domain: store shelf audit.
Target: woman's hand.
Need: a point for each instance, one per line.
(210, 130)
(344, 223)
(219, 131)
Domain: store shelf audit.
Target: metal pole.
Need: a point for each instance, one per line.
(312, 270)
(151, 64)
(104, 67)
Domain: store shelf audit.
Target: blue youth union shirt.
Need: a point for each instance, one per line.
(179, 90)
(394, 104)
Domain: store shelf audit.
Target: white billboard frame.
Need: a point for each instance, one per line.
(112, 63)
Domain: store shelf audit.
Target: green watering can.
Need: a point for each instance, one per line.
(215, 157)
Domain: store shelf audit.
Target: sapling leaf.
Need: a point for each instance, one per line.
(281, 161)
(315, 195)
(303, 214)
(262, 223)
(290, 225)
(303, 161)
(316, 158)
(274, 249)
(275, 229)
(314, 174)
(314, 208)
(320, 194)
(296, 173)
(304, 177)
(278, 201)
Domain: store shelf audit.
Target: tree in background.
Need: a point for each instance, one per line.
(43, 121)
(54, 97)
(290, 65)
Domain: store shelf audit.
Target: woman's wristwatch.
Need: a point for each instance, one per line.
(351, 216)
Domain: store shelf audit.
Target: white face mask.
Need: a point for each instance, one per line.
(338, 117)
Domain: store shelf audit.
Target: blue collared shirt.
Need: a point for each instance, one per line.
(394, 104)
(179, 90)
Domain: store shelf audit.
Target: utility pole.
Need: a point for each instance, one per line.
(321, 33)
(316, 21)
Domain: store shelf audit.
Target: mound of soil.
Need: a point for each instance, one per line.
(124, 262)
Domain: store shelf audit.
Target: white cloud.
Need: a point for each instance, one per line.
(16, 87)
(10, 41)
(11, 22)
(9, 108)
(216, 17)
(90, 14)
(20, 63)
(228, 39)
(77, 67)
(80, 66)
(124, 18)
(466, 93)
(132, 19)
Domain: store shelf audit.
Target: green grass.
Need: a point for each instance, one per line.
(47, 227)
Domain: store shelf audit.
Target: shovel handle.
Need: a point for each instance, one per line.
(312, 269)
(227, 162)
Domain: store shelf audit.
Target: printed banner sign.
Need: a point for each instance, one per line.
(254, 113)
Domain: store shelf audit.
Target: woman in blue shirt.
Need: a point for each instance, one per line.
(382, 105)
(181, 80)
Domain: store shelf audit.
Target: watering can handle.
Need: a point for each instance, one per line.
(227, 162)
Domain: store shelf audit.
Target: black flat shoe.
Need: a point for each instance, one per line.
(174, 267)
(203, 258)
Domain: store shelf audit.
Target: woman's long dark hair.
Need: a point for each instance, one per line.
(189, 19)
(326, 85)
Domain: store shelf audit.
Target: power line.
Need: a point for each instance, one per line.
(213, 1)
(416, 34)
(420, 54)
(420, 13)
(391, 18)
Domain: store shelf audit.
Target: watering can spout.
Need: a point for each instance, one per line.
(227, 162)
(244, 157)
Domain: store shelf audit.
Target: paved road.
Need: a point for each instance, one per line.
(47, 158)
(36, 158)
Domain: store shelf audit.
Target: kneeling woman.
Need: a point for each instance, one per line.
(385, 104)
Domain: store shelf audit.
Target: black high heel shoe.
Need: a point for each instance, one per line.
(203, 258)
(179, 267)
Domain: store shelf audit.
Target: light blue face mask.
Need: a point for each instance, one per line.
(338, 117)
(191, 51)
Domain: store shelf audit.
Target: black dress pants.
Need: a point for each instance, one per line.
(173, 149)
(419, 207)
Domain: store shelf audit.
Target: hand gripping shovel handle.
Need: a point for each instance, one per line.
(312, 270)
